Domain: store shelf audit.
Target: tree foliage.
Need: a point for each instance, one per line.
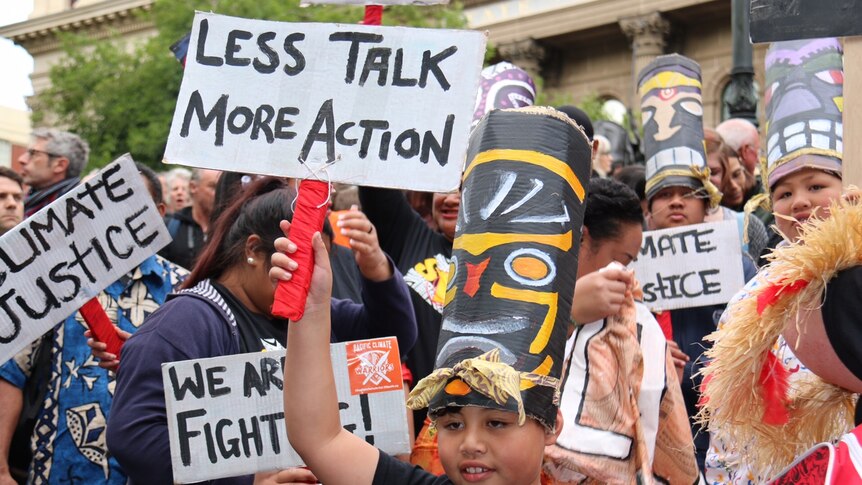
(120, 96)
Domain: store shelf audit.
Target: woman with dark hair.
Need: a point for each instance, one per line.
(603, 339)
(224, 309)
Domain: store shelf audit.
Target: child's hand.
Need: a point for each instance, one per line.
(290, 476)
(282, 266)
(320, 290)
(600, 294)
(366, 248)
(107, 360)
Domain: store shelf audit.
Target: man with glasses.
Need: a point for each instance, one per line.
(51, 166)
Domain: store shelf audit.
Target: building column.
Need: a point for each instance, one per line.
(647, 34)
(526, 54)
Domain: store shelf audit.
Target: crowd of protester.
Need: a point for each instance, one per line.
(70, 413)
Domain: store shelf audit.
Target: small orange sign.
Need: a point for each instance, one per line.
(374, 365)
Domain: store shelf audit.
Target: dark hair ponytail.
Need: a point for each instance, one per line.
(258, 209)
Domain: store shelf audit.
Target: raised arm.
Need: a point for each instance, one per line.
(395, 221)
(311, 415)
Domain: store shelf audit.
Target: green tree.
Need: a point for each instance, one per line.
(121, 97)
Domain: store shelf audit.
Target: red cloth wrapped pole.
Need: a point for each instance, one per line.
(373, 15)
(101, 326)
(308, 218)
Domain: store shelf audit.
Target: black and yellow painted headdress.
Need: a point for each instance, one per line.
(513, 269)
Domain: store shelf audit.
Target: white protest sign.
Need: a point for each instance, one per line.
(65, 254)
(690, 266)
(375, 2)
(226, 414)
(387, 106)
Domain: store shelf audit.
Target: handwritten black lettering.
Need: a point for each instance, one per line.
(232, 48)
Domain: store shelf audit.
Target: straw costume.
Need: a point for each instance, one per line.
(770, 389)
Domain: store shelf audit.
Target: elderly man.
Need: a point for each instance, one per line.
(11, 199)
(188, 226)
(51, 166)
(743, 138)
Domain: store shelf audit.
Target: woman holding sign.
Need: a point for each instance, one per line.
(225, 309)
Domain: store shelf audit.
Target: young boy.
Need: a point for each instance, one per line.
(494, 395)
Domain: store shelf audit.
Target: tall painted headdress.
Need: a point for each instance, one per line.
(513, 270)
(503, 85)
(804, 107)
(672, 117)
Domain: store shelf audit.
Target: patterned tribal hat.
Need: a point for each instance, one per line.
(503, 85)
(804, 107)
(672, 116)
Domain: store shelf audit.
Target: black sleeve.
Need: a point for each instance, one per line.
(841, 309)
(394, 472)
(393, 218)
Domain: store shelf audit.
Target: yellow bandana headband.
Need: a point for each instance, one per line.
(485, 374)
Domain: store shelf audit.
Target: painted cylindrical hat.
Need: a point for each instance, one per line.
(672, 117)
(503, 85)
(804, 106)
(513, 269)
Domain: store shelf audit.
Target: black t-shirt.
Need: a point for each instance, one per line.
(256, 332)
(421, 255)
(391, 471)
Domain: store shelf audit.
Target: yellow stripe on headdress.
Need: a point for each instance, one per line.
(476, 244)
(668, 79)
(532, 157)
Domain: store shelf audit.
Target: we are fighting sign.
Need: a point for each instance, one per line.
(226, 414)
(370, 103)
(65, 254)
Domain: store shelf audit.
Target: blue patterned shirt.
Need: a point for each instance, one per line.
(68, 441)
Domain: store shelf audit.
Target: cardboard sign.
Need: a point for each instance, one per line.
(690, 266)
(775, 20)
(226, 414)
(365, 105)
(65, 254)
(375, 2)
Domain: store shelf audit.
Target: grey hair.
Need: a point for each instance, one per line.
(196, 174)
(737, 132)
(65, 144)
(178, 173)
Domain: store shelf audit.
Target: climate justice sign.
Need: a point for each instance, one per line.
(65, 254)
(690, 266)
(371, 104)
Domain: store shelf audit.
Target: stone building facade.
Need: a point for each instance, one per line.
(579, 47)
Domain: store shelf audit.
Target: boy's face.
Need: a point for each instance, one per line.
(801, 195)
(481, 445)
(675, 207)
